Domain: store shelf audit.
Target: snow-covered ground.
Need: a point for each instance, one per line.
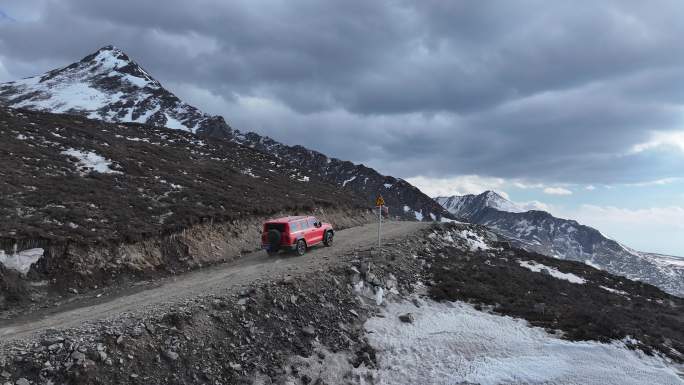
(344, 183)
(614, 291)
(449, 343)
(22, 260)
(91, 161)
(475, 241)
(538, 267)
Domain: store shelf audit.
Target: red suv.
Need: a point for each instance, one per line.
(295, 233)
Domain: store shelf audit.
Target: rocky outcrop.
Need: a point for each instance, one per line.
(13, 290)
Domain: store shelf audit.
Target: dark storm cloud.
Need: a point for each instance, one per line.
(528, 89)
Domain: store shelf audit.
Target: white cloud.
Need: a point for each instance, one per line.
(657, 229)
(590, 187)
(657, 182)
(535, 205)
(661, 139)
(557, 191)
(657, 216)
(525, 185)
(459, 185)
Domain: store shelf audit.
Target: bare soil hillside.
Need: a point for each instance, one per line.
(99, 200)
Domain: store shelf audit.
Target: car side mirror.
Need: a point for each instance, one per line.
(318, 224)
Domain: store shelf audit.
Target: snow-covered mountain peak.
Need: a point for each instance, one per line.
(498, 202)
(107, 69)
(111, 61)
(110, 86)
(467, 205)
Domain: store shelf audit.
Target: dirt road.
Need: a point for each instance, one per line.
(214, 280)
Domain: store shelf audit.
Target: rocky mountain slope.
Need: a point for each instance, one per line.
(541, 232)
(108, 85)
(89, 200)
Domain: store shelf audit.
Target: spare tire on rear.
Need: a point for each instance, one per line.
(273, 237)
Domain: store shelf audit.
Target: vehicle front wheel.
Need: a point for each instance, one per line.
(301, 247)
(328, 239)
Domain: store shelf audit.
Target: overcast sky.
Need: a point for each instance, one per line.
(575, 106)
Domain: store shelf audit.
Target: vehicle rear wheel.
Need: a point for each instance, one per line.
(328, 238)
(301, 247)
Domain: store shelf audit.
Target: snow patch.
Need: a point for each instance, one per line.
(175, 124)
(475, 241)
(21, 261)
(592, 264)
(614, 291)
(248, 171)
(91, 161)
(419, 215)
(137, 81)
(379, 293)
(538, 267)
(348, 180)
(450, 343)
(134, 139)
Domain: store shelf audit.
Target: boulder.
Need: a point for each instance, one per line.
(407, 318)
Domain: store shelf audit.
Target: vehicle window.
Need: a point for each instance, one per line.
(312, 221)
(275, 226)
(304, 225)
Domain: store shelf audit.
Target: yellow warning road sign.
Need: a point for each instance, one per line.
(379, 201)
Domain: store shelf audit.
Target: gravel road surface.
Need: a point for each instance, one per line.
(217, 279)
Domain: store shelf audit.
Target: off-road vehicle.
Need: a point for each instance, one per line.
(296, 234)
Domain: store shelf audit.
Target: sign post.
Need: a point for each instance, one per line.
(379, 202)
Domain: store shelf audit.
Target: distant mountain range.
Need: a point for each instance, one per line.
(109, 86)
(541, 232)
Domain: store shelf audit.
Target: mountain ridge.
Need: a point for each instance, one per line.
(540, 231)
(108, 85)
